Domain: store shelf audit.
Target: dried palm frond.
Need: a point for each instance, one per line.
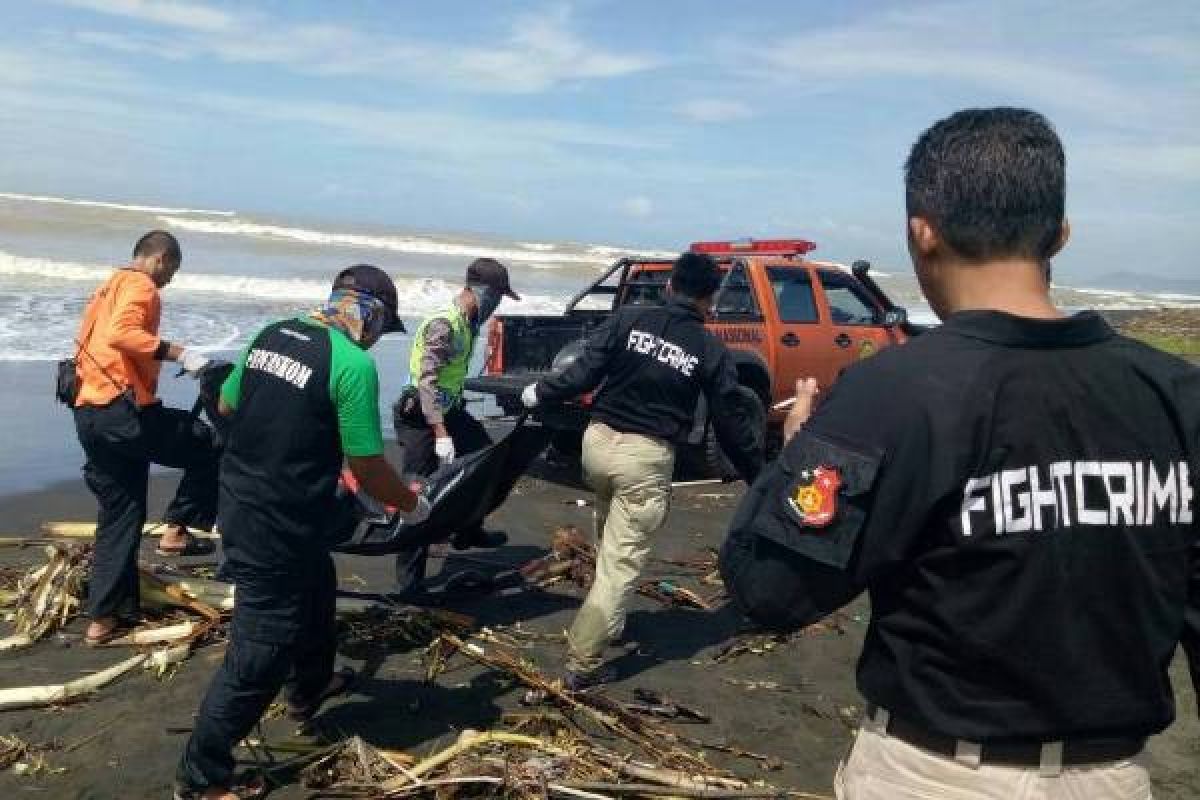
(48, 596)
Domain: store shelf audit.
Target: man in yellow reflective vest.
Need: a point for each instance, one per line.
(432, 423)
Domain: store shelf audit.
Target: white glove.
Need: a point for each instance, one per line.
(529, 397)
(443, 446)
(418, 514)
(192, 362)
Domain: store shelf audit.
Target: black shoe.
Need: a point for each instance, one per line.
(481, 539)
(578, 681)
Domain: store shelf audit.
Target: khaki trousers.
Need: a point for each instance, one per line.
(631, 475)
(882, 767)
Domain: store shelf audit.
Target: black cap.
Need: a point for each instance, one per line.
(491, 273)
(377, 283)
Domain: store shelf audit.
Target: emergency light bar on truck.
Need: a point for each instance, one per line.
(757, 246)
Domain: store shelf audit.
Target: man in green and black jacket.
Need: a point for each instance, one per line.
(303, 399)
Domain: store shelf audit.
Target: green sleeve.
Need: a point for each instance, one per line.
(231, 389)
(354, 387)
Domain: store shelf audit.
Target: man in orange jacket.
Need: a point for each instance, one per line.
(123, 428)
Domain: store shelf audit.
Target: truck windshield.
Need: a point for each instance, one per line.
(793, 294)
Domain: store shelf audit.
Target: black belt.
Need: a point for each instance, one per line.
(1075, 752)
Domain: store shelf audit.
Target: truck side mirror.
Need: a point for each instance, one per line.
(894, 318)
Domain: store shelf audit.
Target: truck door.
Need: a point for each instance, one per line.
(855, 321)
(737, 317)
(801, 342)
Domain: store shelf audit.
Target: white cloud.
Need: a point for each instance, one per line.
(450, 135)
(638, 206)
(858, 53)
(540, 52)
(714, 110)
(1167, 163)
(1066, 59)
(187, 16)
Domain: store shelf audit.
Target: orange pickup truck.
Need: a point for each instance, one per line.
(785, 317)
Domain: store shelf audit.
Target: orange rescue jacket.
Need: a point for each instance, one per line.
(119, 336)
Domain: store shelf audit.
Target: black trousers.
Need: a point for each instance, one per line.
(120, 445)
(261, 658)
(420, 458)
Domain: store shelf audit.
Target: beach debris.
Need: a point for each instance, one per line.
(761, 643)
(670, 594)
(212, 599)
(654, 740)
(24, 758)
(562, 763)
(204, 597)
(659, 705)
(54, 694)
(701, 482)
(571, 557)
(364, 633)
(10, 577)
(517, 636)
(48, 596)
(25, 541)
(87, 530)
(162, 634)
(764, 686)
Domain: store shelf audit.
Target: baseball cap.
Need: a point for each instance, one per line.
(377, 283)
(491, 273)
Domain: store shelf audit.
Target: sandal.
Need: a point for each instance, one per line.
(194, 547)
(305, 712)
(115, 632)
(245, 789)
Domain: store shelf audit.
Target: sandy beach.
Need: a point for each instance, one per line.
(795, 703)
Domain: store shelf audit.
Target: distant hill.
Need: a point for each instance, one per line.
(1131, 281)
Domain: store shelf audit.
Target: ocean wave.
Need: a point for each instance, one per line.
(66, 201)
(41, 301)
(417, 296)
(1126, 299)
(535, 254)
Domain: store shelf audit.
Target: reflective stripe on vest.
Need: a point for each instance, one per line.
(453, 374)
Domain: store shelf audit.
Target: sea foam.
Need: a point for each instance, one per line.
(66, 201)
(535, 254)
(417, 296)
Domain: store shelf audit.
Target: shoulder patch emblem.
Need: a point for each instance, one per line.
(814, 496)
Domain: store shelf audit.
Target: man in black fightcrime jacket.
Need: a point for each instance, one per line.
(1014, 490)
(651, 365)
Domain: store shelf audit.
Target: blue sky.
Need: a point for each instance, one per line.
(648, 123)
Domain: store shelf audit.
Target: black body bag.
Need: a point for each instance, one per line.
(461, 494)
(211, 377)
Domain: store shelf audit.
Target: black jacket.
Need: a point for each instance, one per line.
(1017, 497)
(654, 362)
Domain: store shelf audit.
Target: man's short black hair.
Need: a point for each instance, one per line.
(695, 276)
(991, 181)
(158, 242)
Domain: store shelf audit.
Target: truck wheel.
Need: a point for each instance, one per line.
(706, 460)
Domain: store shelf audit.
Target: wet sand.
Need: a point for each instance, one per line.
(125, 741)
